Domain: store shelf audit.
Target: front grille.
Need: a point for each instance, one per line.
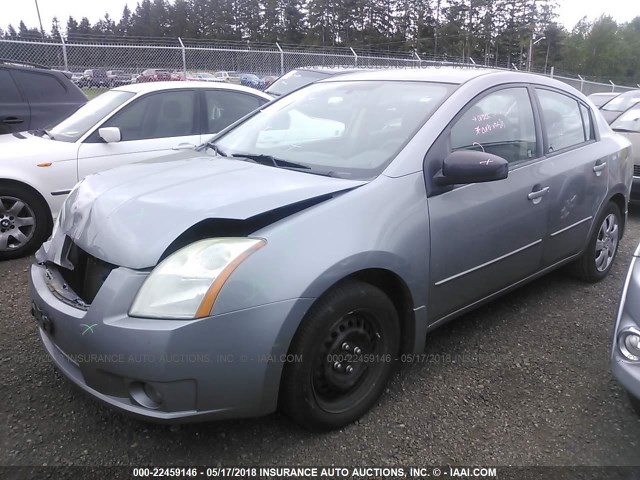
(636, 170)
(88, 274)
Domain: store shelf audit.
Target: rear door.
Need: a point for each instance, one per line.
(49, 98)
(14, 109)
(576, 170)
(153, 125)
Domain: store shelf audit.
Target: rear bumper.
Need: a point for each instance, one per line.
(225, 366)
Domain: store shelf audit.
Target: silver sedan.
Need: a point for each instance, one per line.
(310, 247)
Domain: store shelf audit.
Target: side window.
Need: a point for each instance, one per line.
(159, 115)
(8, 90)
(562, 120)
(40, 87)
(500, 123)
(225, 107)
(586, 121)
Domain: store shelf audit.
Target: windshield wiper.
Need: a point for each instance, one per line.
(624, 130)
(214, 147)
(38, 132)
(269, 160)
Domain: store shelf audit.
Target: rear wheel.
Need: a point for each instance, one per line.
(596, 262)
(25, 222)
(347, 344)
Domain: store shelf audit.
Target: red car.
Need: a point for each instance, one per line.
(154, 75)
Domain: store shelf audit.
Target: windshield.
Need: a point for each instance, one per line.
(342, 129)
(73, 127)
(622, 101)
(294, 80)
(629, 121)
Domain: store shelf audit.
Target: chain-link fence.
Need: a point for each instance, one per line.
(133, 55)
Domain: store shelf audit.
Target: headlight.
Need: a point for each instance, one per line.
(186, 284)
(629, 344)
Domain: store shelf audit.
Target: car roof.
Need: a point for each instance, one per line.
(331, 70)
(453, 75)
(156, 86)
(427, 74)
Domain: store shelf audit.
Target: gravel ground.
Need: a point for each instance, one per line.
(524, 380)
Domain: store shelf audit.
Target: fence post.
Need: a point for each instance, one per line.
(613, 86)
(64, 53)
(281, 59)
(551, 71)
(184, 58)
(581, 82)
(419, 59)
(355, 56)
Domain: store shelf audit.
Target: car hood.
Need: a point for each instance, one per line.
(610, 115)
(634, 138)
(24, 146)
(128, 216)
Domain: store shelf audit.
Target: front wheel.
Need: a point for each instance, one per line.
(345, 351)
(596, 261)
(24, 222)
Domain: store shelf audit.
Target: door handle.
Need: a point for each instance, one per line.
(12, 120)
(184, 146)
(538, 194)
(598, 167)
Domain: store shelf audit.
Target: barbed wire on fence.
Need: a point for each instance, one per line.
(135, 54)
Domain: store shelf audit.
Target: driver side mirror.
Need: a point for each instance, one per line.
(470, 166)
(110, 134)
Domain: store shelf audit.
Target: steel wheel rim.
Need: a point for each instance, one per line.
(606, 242)
(335, 389)
(17, 223)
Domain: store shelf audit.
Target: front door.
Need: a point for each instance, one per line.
(154, 125)
(486, 237)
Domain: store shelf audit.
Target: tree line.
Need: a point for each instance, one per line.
(494, 32)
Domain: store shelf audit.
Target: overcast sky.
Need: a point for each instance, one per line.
(12, 11)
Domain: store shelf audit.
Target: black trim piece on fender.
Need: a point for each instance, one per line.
(61, 192)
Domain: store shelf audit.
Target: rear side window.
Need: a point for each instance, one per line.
(500, 123)
(8, 90)
(40, 87)
(586, 121)
(224, 107)
(563, 120)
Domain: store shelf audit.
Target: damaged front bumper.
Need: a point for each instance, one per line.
(223, 366)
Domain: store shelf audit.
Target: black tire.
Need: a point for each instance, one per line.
(585, 267)
(635, 404)
(35, 234)
(315, 392)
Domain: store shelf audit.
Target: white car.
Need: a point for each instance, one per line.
(124, 125)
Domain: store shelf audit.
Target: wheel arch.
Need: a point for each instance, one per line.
(398, 292)
(34, 191)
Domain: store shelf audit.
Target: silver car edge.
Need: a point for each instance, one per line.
(625, 352)
(295, 259)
